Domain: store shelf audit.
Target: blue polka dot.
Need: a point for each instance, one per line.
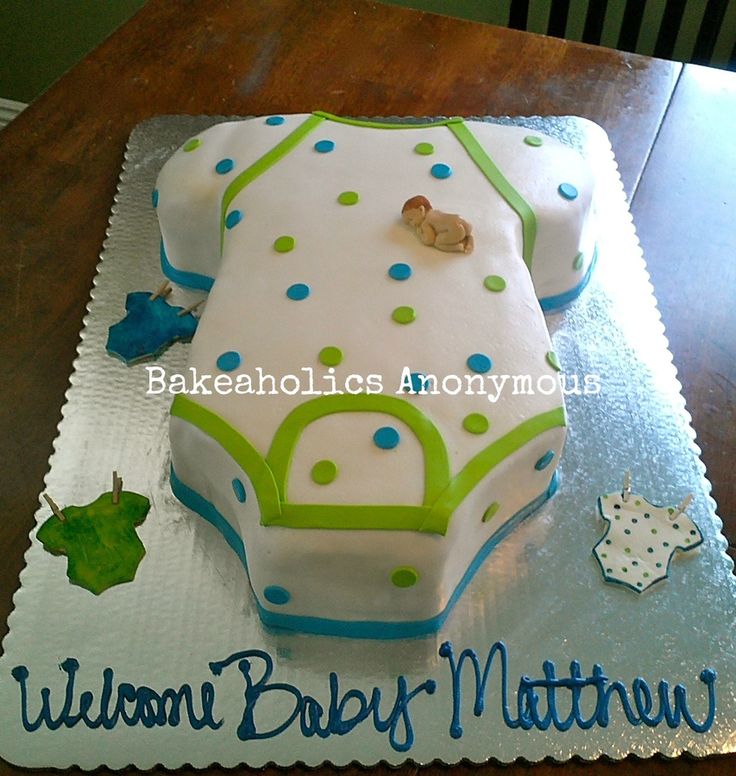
(567, 190)
(399, 271)
(224, 166)
(274, 121)
(545, 460)
(441, 170)
(387, 437)
(154, 198)
(239, 490)
(277, 595)
(417, 381)
(324, 146)
(298, 291)
(234, 217)
(228, 361)
(480, 363)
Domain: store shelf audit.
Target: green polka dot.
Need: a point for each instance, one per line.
(475, 423)
(654, 530)
(645, 574)
(424, 149)
(348, 198)
(604, 555)
(324, 472)
(533, 140)
(491, 511)
(190, 145)
(637, 503)
(670, 510)
(284, 244)
(404, 576)
(606, 496)
(627, 550)
(330, 356)
(553, 360)
(624, 569)
(577, 262)
(404, 314)
(494, 283)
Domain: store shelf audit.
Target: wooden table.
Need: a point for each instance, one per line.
(60, 160)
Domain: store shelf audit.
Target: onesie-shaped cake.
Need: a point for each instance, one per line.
(385, 403)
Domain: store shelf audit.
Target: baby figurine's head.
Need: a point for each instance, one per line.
(415, 209)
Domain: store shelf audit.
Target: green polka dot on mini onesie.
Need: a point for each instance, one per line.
(404, 314)
(348, 198)
(330, 356)
(324, 472)
(424, 149)
(577, 263)
(284, 244)
(533, 140)
(192, 144)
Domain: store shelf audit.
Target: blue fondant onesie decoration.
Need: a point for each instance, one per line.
(150, 325)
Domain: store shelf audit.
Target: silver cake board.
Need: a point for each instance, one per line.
(187, 628)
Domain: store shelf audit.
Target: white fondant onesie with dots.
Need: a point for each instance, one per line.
(641, 540)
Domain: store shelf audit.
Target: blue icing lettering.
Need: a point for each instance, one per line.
(534, 707)
(133, 705)
(672, 708)
(311, 713)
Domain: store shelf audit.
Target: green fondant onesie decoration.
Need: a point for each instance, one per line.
(99, 540)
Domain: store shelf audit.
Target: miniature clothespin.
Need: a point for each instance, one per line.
(190, 309)
(163, 291)
(54, 507)
(117, 486)
(684, 504)
(626, 490)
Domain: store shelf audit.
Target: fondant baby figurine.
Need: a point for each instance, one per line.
(445, 231)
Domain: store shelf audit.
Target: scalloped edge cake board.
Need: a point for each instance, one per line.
(188, 621)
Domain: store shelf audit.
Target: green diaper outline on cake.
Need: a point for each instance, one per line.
(99, 540)
(442, 493)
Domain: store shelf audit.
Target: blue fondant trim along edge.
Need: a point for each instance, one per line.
(207, 510)
(554, 304)
(364, 629)
(182, 277)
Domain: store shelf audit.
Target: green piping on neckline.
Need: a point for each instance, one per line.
(271, 157)
(387, 124)
(499, 182)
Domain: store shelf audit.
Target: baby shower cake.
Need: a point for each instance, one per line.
(380, 404)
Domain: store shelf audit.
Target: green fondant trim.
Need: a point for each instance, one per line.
(497, 179)
(436, 463)
(479, 466)
(238, 447)
(441, 495)
(275, 154)
(387, 124)
(383, 517)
